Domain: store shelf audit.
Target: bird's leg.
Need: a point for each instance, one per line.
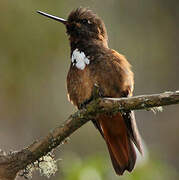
(96, 93)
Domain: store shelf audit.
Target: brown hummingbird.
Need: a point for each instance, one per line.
(94, 63)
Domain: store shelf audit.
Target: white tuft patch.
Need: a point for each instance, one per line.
(79, 59)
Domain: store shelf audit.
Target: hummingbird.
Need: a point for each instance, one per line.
(94, 63)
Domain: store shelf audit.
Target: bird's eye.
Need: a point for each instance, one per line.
(84, 21)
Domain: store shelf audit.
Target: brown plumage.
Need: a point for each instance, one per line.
(119, 144)
(112, 73)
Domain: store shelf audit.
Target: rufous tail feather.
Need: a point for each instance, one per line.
(120, 146)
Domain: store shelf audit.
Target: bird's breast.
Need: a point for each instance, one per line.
(79, 83)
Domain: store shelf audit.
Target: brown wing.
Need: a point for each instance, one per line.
(128, 84)
(113, 75)
(121, 85)
(133, 132)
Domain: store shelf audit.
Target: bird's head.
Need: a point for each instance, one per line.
(82, 23)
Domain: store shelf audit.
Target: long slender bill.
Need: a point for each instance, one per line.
(53, 17)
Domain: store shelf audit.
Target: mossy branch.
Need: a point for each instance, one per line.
(11, 164)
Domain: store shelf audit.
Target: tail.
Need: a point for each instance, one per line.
(120, 146)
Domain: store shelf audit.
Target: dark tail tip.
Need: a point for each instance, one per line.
(129, 166)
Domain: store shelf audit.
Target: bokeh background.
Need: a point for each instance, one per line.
(34, 61)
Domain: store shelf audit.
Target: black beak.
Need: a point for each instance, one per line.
(53, 17)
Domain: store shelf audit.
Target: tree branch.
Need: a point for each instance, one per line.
(12, 163)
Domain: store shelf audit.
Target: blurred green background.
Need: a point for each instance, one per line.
(34, 61)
